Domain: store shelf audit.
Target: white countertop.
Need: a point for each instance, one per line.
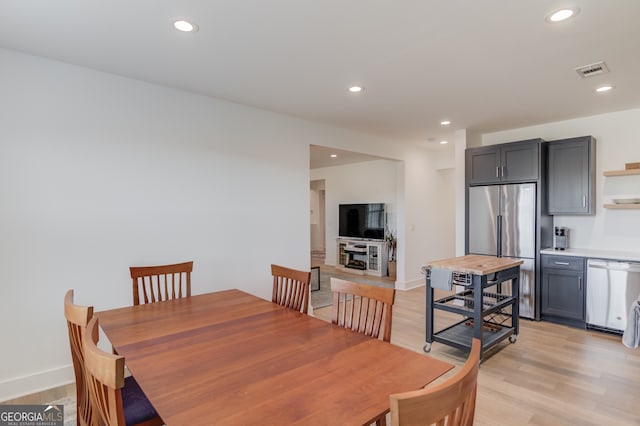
(595, 254)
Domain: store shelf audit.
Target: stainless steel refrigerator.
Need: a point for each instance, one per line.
(502, 222)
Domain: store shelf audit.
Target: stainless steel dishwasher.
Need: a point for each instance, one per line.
(612, 287)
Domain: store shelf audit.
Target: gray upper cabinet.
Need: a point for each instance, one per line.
(509, 162)
(571, 176)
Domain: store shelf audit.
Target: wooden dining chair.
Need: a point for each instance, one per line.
(119, 401)
(157, 283)
(363, 308)
(77, 319)
(291, 288)
(452, 402)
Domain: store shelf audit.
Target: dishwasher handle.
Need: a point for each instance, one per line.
(613, 265)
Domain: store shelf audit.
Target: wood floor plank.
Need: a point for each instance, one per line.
(552, 376)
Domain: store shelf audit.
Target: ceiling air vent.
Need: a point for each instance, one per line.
(593, 69)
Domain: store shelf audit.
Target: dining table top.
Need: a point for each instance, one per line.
(233, 358)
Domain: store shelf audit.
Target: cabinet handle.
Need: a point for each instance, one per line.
(584, 201)
(579, 283)
(497, 171)
(562, 263)
(502, 171)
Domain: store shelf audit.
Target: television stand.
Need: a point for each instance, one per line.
(363, 257)
(356, 264)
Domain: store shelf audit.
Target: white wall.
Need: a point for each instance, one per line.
(368, 182)
(462, 140)
(421, 205)
(317, 215)
(430, 218)
(617, 143)
(101, 172)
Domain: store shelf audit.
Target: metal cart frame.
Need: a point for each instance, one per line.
(475, 303)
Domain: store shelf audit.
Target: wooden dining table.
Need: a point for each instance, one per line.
(233, 358)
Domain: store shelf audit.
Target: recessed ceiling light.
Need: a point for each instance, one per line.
(445, 123)
(356, 89)
(185, 26)
(562, 15)
(605, 88)
(443, 142)
(334, 155)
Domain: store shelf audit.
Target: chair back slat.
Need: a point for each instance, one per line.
(105, 375)
(364, 308)
(77, 319)
(451, 402)
(159, 283)
(291, 288)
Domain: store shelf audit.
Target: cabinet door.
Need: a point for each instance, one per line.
(483, 165)
(510, 162)
(373, 257)
(343, 258)
(571, 176)
(563, 293)
(519, 162)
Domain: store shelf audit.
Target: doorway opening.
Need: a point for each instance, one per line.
(317, 222)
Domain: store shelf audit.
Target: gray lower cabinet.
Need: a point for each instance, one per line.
(571, 176)
(563, 290)
(509, 162)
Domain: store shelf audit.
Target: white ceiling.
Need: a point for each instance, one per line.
(487, 65)
(321, 156)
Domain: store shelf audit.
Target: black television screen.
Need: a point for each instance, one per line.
(361, 221)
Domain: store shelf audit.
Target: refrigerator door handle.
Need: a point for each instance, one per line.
(499, 236)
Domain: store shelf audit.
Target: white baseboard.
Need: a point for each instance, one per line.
(20, 386)
(411, 284)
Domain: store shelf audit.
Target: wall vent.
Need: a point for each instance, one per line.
(593, 69)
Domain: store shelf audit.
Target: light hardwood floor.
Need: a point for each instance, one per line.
(552, 375)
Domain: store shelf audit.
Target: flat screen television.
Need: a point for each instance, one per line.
(365, 221)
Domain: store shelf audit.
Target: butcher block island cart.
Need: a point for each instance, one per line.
(489, 314)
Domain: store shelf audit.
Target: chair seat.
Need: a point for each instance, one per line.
(136, 406)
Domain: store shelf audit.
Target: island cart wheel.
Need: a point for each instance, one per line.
(427, 347)
(513, 338)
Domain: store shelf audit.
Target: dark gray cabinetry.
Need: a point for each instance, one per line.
(563, 290)
(501, 166)
(510, 162)
(571, 176)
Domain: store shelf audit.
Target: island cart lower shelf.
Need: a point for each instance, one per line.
(488, 314)
(460, 334)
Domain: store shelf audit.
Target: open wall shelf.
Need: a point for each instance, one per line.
(628, 172)
(622, 206)
(622, 172)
